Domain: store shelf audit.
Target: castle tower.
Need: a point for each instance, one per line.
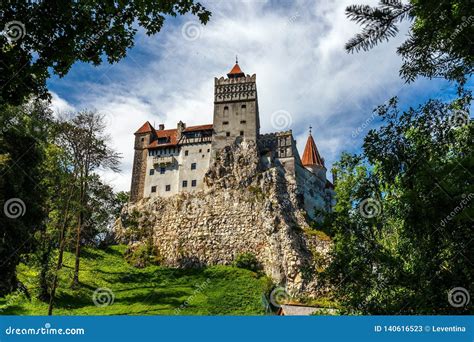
(311, 159)
(143, 137)
(235, 109)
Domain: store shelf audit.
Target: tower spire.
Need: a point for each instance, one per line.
(311, 156)
(236, 71)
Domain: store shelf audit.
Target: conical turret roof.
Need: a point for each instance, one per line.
(311, 155)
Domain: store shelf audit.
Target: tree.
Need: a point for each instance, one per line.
(439, 39)
(40, 36)
(402, 224)
(23, 137)
(85, 140)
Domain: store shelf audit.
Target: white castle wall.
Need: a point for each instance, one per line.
(178, 171)
(199, 154)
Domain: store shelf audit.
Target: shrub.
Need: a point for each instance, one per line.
(247, 261)
(143, 255)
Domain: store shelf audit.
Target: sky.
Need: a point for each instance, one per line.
(296, 49)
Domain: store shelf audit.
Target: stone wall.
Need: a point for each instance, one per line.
(242, 209)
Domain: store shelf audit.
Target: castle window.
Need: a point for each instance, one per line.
(244, 106)
(243, 122)
(152, 172)
(186, 152)
(185, 184)
(143, 139)
(242, 133)
(193, 182)
(193, 166)
(225, 123)
(200, 150)
(208, 150)
(227, 134)
(162, 170)
(168, 188)
(153, 189)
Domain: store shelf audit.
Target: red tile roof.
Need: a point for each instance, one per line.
(236, 71)
(199, 128)
(311, 155)
(147, 127)
(172, 135)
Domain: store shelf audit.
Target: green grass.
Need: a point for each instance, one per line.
(154, 290)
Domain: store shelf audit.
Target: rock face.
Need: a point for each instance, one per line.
(241, 210)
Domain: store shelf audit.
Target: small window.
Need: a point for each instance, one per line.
(242, 133)
(193, 182)
(193, 166)
(185, 184)
(225, 123)
(227, 134)
(186, 152)
(153, 189)
(162, 170)
(200, 150)
(152, 172)
(208, 150)
(244, 107)
(168, 188)
(143, 139)
(243, 122)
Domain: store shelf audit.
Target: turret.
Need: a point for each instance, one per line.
(143, 137)
(311, 159)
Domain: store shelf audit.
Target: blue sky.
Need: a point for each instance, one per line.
(296, 49)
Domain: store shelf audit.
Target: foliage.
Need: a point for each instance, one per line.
(23, 138)
(43, 36)
(153, 290)
(438, 44)
(85, 140)
(247, 261)
(402, 227)
(143, 255)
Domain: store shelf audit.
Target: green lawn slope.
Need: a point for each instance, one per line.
(154, 290)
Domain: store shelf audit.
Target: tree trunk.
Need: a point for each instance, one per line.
(75, 281)
(60, 257)
(45, 257)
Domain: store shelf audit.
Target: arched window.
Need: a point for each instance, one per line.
(226, 111)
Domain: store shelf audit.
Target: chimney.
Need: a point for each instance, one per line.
(181, 128)
(161, 127)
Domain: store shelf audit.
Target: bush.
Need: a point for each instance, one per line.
(247, 261)
(143, 255)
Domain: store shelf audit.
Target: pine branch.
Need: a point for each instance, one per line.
(379, 23)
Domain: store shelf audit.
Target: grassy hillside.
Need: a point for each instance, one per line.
(154, 290)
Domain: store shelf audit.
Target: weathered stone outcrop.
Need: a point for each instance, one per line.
(241, 210)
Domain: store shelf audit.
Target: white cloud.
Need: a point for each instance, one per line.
(59, 105)
(296, 50)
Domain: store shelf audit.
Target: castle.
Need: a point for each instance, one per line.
(171, 161)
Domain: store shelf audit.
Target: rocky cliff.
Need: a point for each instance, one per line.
(242, 209)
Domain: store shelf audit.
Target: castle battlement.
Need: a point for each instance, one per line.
(225, 81)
